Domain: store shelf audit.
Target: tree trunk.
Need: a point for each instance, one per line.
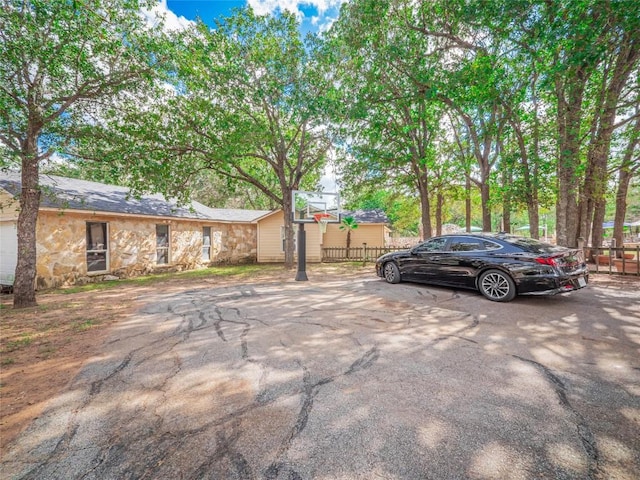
(532, 197)
(24, 294)
(569, 116)
(598, 219)
(627, 170)
(529, 172)
(506, 219)
(467, 202)
(439, 205)
(289, 232)
(624, 177)
(486, 209)
(506, 202)
(534, 221)
(425, 206)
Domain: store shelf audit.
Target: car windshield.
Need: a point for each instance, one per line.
(532, 245)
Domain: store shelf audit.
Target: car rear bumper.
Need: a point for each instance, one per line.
(557, 285)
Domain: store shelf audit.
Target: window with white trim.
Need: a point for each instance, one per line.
(97, 247)
(206, 243)
(162, 244)
(283, 237)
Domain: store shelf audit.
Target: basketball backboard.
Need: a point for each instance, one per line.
(309, 207)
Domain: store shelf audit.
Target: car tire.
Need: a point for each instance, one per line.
(497, 286)
(391, 272)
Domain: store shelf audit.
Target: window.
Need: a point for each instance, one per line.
(295, 238)
(461, 244)
(532, 245)
(162, 244)
(433, 245)
(491, 245)
(206, 243)
(97, 247)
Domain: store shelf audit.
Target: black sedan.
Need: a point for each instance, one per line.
(499, 265)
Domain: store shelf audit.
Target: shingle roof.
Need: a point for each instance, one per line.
(232, 214)
(367, 216)
(74, 194)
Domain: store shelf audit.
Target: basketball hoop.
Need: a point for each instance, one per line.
(322, 219)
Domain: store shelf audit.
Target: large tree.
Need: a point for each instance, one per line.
(58, 60)
(391, 108)
(242, 104)
(580, 59)
(585, 53)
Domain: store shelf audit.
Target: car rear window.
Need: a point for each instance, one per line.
(532, 245)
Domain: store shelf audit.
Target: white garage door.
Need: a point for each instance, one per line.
(8, 252)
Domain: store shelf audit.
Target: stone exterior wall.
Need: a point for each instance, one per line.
(61, 246)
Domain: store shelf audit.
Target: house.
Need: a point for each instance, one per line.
(372, 229)
(88, 231)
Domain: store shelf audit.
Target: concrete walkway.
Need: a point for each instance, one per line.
(351, 378)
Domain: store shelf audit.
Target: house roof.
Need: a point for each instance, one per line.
(375, 215)
(232, 214)
(74, 194)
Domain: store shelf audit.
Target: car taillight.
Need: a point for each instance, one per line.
(547, 261)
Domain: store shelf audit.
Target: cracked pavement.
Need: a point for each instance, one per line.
(351, 378)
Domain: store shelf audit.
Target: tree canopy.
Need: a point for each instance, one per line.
(513, 107)
(60, 62)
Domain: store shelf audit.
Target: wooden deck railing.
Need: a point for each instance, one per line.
(623, 260)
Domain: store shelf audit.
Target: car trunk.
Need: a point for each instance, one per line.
(569, 262)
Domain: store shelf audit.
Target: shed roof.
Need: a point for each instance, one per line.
(374, 215)
(360, 216)
(74, 194)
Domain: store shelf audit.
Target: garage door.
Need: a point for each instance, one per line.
(8, 252)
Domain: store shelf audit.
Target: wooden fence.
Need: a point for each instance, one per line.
(356, 254)
(622, 260)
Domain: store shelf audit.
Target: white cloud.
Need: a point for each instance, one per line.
(264, 7)
(326, 24)
(172, 22)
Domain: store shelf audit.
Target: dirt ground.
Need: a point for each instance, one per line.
(42, 348)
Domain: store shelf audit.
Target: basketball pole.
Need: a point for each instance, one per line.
(301, 276)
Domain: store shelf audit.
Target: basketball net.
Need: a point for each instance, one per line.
(322, 219)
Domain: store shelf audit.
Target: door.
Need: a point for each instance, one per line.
(464, 258)
(8, 252)
(424, 263)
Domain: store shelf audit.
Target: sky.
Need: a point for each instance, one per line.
(314, 15)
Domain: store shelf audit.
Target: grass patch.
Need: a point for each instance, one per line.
(7, 361)
(203, 273)
(24, 341)
(89, 287)
(81, 327)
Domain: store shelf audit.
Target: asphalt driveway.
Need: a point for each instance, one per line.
(347, 377)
